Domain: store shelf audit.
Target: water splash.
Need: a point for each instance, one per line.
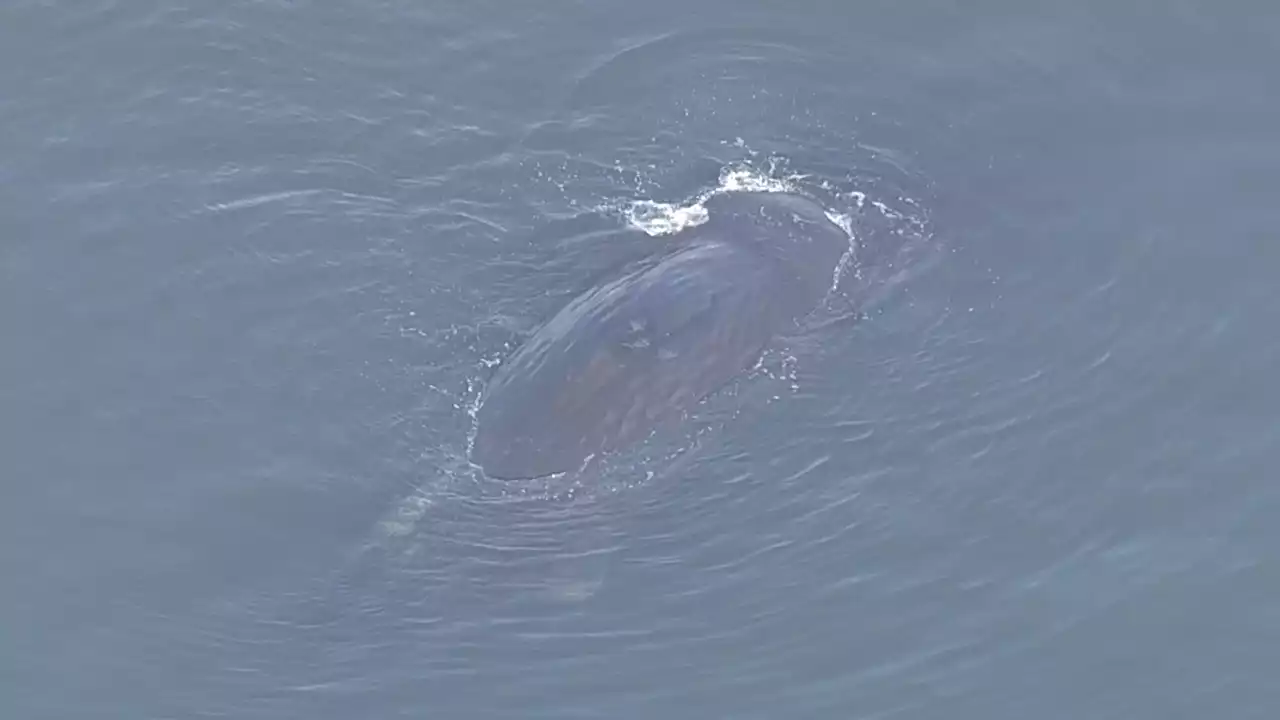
(657, 219)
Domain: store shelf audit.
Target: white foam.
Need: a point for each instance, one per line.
(658, 218)
(743, 179)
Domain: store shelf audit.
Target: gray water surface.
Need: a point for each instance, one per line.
(259, 258)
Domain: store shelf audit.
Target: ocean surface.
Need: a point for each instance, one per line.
(258, 260)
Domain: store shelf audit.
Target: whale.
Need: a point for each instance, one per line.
(641, 350)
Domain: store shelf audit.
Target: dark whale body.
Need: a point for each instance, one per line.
(642, 349)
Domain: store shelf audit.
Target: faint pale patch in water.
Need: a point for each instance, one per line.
(572, 591)
(405, 515)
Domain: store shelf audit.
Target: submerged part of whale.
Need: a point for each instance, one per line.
(644, 348)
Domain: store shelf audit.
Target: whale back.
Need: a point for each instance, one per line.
(643, 349)
(792, 231)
